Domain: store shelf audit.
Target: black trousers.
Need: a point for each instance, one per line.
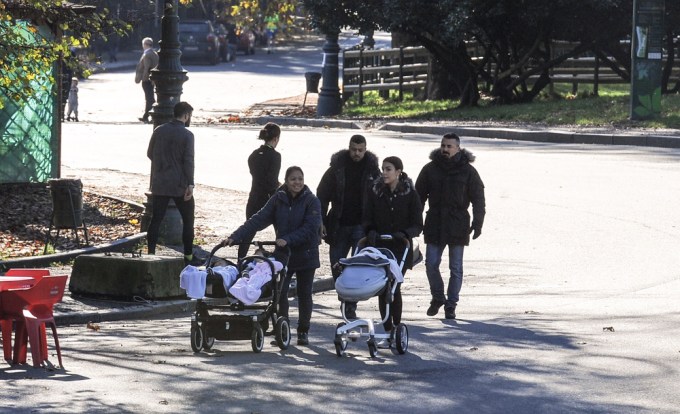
(149, 97)
(186, 210)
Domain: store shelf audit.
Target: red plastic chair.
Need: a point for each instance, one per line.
(36, 274)
(32, 309)
(6, 323)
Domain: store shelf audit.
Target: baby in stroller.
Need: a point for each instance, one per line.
(372, 271)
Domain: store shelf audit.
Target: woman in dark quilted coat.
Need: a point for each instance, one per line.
(394, 208)
(295, 213)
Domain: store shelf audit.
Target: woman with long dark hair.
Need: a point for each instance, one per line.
(394, 208)
(295, 213)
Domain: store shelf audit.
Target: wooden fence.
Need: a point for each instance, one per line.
(407, 68)
(400, 69)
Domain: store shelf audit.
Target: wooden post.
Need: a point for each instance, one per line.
(401, 73)
(361, 75)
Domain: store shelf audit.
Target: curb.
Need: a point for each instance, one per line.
(47, 260)
(148, 310)
(547, 136)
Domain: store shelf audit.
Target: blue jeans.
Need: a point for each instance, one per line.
(305, 282)
(433, 258)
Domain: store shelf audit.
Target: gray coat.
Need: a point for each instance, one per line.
(171, 151)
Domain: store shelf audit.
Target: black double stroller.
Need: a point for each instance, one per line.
(365, 275)
(219, 315)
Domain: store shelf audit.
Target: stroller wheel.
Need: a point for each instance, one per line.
(282, 332)
(340, 342)
(208, 342)
(401, 338)
(372, 348)
(257, 338)
(196, 338)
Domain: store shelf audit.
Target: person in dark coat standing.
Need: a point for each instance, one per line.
(343, 187)
(449, 183)
(296, 215)
(393, 207)
(264, 164)
(171, 151)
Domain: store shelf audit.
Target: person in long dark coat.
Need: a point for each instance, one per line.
(449, 184)
(393, 207)
(295, 213)
(264, 164)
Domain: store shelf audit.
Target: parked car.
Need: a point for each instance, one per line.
(246, 41)
(198, 41)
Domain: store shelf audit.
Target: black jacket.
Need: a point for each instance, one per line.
(264, 164)
(171, 151)
(331, 189)
(389, 212)
(296, 220)
(449, 186)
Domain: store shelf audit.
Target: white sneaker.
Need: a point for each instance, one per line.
(384, 343)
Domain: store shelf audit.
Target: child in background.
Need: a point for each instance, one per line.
(73, 100)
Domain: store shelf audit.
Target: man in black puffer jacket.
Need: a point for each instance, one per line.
(449, 183)
(343, 187)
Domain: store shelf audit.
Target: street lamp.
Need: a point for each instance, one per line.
(329, 102)
(168, 78)
(169, 75)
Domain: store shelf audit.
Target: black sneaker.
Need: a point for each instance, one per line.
(434, 307)
(303, 338)
(450, 312)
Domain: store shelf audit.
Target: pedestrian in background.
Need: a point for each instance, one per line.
(393, 207)
(148, 61)
(449, 184)
(344, 186)
(296, 215)
(171, 151)
(264, 164)
(73, 101)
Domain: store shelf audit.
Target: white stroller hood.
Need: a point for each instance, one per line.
(360, 282)
(364, 275)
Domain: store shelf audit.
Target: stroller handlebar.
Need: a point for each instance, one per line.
(222, 244)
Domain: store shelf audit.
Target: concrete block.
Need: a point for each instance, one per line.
(124, 277)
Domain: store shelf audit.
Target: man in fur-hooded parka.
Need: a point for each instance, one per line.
(450, 185)
(345, 198)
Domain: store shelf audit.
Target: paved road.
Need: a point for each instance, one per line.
(578, 238)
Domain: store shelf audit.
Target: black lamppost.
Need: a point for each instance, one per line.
(168, 78)
(169, 75)
(329, 98)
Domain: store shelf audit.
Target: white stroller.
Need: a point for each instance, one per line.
(363, 276)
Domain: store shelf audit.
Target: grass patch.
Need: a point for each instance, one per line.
(560, 108)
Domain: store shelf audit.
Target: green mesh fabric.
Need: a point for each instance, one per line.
(28, 125)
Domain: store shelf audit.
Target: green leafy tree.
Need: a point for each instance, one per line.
(514, 38)
(27, 55)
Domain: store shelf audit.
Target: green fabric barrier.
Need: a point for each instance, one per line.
(28, 122)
